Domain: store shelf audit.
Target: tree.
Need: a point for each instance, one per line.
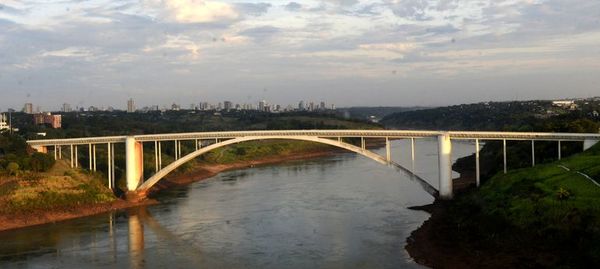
(40, 162)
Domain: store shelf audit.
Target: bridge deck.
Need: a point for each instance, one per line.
(392, 134)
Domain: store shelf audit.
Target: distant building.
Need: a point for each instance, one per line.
(4, 123)
(567, 104)
(28, 108)
(203, 106)
(66, 108)
(175, 107)
(55, 121)
(130, 106)
(322, 106)
(301, 105)
(227, 105)
(262, 105)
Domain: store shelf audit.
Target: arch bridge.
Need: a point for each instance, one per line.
(207, 141)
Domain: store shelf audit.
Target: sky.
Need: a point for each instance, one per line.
(347, 52)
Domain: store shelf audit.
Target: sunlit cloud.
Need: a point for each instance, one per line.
(199, 11)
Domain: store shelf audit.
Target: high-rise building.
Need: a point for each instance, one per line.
(301, 105)
(28, 108)
(66, 108)
(261, 105)
(4, 123)
(130, 106)
(322, 106)
(227, 105)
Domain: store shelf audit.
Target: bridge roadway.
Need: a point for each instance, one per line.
(391, 134)
(134, 149)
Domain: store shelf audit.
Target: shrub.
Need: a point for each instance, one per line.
(40, 162)
(563, 194)
(13, 168)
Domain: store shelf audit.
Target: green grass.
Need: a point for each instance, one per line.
(545, 193)
(540, 207)
(61, 187)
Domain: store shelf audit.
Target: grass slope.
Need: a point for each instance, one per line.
(60, 187)
(534, 212)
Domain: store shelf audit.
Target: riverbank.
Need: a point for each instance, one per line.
(541, 217)
(34, 218)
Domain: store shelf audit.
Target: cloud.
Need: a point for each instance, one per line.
(410, 9)
(198, 11)
(10, 10)
(445, 29)
(293, 7)
(344, 3)
(69, 52)
(261, 33)
(253, 9)
(397, 47)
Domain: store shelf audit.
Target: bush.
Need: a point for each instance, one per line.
(13, 168)
(40, 162)
(563, 194)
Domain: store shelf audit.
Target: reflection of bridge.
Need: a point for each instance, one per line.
(207, 141)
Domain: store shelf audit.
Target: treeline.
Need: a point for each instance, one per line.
(498, 116)
(16, 157)
(86, 124)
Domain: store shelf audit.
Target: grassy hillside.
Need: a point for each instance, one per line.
(60, 187)
(550, 208)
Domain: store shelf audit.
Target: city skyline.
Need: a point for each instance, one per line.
(383, 52)
(131, 106)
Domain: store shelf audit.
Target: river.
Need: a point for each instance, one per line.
(344, 211)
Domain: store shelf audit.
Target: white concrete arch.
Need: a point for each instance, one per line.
(145, 187)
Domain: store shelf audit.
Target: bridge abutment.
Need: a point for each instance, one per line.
(133, 163)
(41, 149)
(588, 143)
(445, 166)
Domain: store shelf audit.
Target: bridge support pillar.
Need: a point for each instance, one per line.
(588, 143)
(133, 163)
(388, 151)
(445, 166)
